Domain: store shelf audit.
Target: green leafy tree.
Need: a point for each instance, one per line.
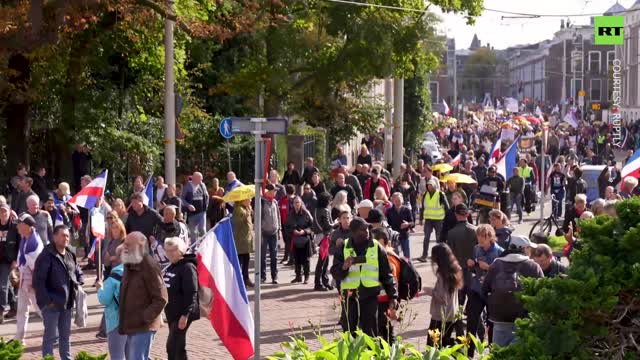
(479, 73)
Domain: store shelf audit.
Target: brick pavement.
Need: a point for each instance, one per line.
(286, 309)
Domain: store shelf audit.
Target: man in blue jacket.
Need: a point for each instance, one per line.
(55, 280)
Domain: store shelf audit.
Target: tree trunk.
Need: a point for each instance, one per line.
(16, 112)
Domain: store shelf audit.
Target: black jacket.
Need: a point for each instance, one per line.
(181, 280)
(40, 187)
(145, 223)
(9, 240)
(462, 239)
(56, 278)
(292, 178)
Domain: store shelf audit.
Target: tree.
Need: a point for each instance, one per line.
(479, 73)
(317, 59)
(595, 312)
(59, 55)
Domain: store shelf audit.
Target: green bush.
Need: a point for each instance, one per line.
(11, 350)
(364, 346)
(595, 312)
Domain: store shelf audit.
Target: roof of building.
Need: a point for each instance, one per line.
(475, 43)
(617, 9)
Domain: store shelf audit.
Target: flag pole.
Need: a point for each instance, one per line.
(543, 177)
(99, 259)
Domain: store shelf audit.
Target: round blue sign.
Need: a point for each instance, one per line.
(225, 128)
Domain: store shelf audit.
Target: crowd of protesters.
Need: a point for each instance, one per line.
(340, 213)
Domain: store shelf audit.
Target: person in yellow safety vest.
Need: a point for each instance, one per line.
(526, 172)
(435, 206)
(361, 267)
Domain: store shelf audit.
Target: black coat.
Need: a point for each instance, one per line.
(181, 280)
(53, 281)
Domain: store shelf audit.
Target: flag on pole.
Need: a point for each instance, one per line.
(59, 220)
(495, 152)
(508, 161)
(29, 248)
(219, 270)
(632, 167)
(445, 108)
(98, 229)
(88, 197)
(147, 195)
(456, 160)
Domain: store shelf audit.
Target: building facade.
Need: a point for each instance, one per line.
(558, 71)
(628, 55)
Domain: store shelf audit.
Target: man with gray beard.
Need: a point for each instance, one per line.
(142, 296)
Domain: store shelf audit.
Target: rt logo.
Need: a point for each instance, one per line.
(609, 30)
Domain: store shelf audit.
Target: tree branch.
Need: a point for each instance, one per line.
(165, 13)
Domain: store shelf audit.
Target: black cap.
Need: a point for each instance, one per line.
(375, 216)
(461, 209)
(358, 223)
(27, 219)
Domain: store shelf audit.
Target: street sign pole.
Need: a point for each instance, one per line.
(258, 132)
(258, 127)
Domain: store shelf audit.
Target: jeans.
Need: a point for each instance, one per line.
(557, 205)
(177, 341)
(26, 299)
(117, 345)
(385, 325)
(321, 277)
(270, 243)
(475, 325)
(360, 313)
(529, 193)
(504, 333)
(430, 225)
(57, 327)
(302, 261)
(404, 244)
(196, 223)
(244, 266)
(5, 269)
(516, 199)
(139, 345)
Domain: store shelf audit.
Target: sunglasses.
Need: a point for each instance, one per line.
(109, 218)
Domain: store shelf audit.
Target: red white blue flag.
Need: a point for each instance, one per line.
(632, 167)
(88, 197)
(445, 108)
(219, 270)
(456, 160)
(495, 152)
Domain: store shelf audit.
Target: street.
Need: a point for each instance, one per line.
(287, 310)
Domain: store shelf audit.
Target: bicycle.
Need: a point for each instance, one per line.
(546, 225)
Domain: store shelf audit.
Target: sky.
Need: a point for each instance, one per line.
(502, 33)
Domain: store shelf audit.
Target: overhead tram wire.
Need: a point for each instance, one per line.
(505, 12)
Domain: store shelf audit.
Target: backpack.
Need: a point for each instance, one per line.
(503, 306)
(410, 282)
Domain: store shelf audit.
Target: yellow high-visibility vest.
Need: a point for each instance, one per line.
(367, 274)
(433, 209)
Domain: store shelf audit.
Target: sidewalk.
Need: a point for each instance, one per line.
(286, 309)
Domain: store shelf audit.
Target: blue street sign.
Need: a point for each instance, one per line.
(225, 128)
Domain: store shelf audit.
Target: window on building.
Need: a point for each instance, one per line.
(594, 62)
(576, 61)
(596, 85)
(434, 90)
